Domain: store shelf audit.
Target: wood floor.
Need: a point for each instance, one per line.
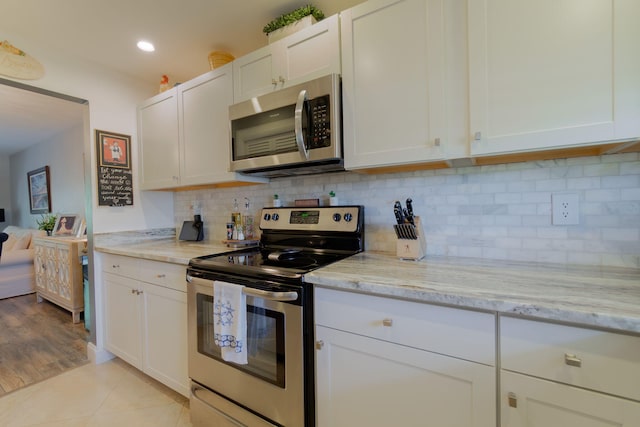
(37, 341)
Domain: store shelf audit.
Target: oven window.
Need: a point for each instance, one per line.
(265, 340)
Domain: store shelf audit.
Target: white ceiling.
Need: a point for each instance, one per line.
(105, 32)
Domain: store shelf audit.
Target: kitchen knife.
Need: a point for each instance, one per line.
(410, 211)
(397, 211)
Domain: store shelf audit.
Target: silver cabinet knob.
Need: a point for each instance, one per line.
(513, 400)
(572, 360)
(281, 79)
(319, 345)
(387, 322)
(274, 82)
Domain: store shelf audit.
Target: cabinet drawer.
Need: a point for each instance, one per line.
(589, 358)
(165, 274)
(455, 332)
(120, 265)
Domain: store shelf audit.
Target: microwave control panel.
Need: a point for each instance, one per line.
(319, 123)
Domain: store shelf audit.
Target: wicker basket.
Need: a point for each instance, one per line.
(218, 59)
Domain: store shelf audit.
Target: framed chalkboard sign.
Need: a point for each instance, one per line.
(115, 180)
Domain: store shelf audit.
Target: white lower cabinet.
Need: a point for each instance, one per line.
(533, 402)
(146, 317)
(565, 376)
(376, 364)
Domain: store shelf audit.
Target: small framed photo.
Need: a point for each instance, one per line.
(82, 229)
(67, 225)
(39, 190)
(113, 149)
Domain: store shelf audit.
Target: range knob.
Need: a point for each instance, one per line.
(348, 217)
(267, 217)
(337, 217)
(275, 217)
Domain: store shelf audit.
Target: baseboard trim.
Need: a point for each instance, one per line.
(97, 356)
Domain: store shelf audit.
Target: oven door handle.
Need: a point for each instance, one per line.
(258, 293)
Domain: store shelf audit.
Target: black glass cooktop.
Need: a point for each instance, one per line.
(259, 262)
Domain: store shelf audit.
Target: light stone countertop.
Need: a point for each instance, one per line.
(158, 247)
(605, 297)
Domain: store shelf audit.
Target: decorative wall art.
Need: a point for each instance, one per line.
(16, 63)
(115, 179)
(39, 190)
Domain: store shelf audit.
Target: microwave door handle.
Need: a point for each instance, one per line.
(302, 148)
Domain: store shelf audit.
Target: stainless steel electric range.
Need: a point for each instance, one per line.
(276, 386)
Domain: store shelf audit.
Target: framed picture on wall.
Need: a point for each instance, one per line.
(67, 225)
(113, 149)
(39, 190)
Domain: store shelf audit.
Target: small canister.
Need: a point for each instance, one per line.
(230, 230)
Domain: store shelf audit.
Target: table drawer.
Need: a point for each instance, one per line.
(165, 274)
(589, 358)
(120, 265)
(465, 334)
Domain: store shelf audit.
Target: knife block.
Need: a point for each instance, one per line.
(411, 243)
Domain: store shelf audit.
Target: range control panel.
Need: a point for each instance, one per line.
(324, 218)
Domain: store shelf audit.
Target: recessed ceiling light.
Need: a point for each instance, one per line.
(146, 46)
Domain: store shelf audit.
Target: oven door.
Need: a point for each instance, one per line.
(272, 383)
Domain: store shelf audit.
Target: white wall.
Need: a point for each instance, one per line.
(494, 212)
(64, 155)
(112, 106)
(5, 190)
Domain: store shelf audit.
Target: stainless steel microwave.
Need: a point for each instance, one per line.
(293, 131)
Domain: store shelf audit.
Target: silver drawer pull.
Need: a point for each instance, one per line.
(161, 276)
(572, 360)
(513, 400)
(319, 345)
(387, 322)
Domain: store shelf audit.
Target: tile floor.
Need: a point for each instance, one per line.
(110, 394)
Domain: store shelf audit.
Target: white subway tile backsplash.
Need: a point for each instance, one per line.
(602, 169)
(497, 211)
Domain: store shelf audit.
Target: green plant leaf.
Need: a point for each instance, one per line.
(293, 16)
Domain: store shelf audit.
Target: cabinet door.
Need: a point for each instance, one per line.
(64, 273)
(366, 382)
(165, 332)
(39, 264)
(532, 402)
(548, 74)
(204, 126)
(122, 320)
(158, 140)
(393, 65)
(308, 54)
(252, 74)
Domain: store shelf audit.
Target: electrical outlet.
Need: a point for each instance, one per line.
(564, 209)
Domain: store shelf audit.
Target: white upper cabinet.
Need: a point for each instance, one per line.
(184, 135)
(310, 53)
(549, 74)
(403, 74)
(158, 141)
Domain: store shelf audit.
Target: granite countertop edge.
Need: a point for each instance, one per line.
(607, 297)
(602, 297)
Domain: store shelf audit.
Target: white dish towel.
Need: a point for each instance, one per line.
(230, 321)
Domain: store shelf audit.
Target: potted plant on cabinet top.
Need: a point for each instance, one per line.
(293, 21)
(46, 223)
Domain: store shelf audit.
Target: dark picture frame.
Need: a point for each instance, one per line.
(39, 190)
(113, 149)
